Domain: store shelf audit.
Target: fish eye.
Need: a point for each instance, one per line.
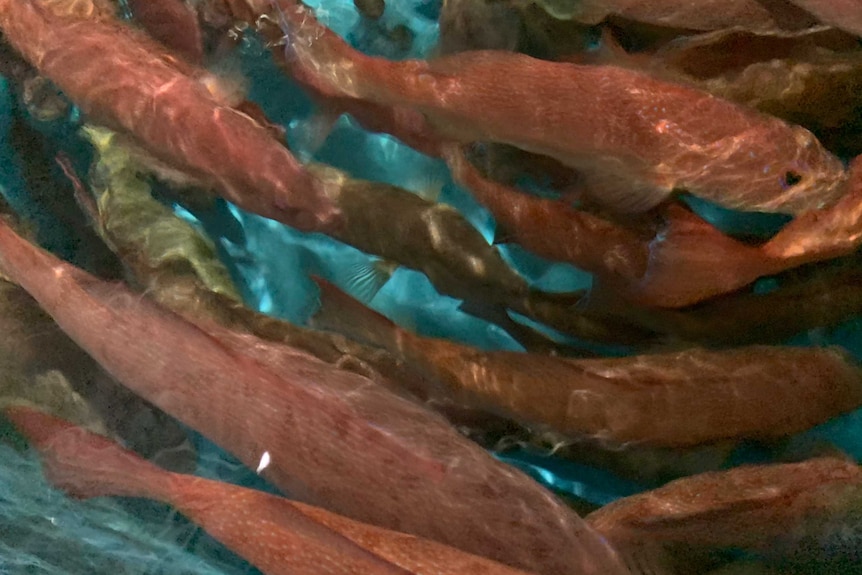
(790, 179)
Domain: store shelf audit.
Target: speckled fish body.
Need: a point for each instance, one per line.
(750, 507)
(645, 400)
(635, 139)
(317, 426)
(277, 535)
(139, 88)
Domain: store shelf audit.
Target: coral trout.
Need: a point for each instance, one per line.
(634, 139)
(645, 400)
(140, 89)
(322, 435)
(174, 24)
(757, 508)
(275, 534)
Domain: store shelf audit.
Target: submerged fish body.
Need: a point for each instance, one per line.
(329, 436)
(843, 14)
(646, 400)
(277, 535)
(142, 90)
(702, 15)
(752, 507)
(635, 139)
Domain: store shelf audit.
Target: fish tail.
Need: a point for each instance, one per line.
(340, 312)
(710, 262)
(84, 464)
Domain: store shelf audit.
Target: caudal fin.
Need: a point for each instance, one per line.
(690, 261)
(85, 464)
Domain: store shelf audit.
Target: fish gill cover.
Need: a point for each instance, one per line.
(525, 295)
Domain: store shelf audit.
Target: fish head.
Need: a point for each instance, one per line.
(812, 179)
(769, 168)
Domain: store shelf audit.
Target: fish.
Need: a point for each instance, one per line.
(746, 14)
(277, 535)
(279, 179)
(644, 400)
(174, 24)
(758, 508)
(176, 264)
(843, 14)
(638, 138)
(554, 229)
(40, 364)
(809, 79)
(311, 426)
(805, 299)
(822, 234)
(689, 247)
(424, 235)
(141, 89)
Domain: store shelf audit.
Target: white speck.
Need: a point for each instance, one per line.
(264, 462)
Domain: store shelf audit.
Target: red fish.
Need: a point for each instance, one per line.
(331, 437)
(751, 507)
(554, 229)
(140, 89)
(172, 23)
(633, 138)
(275, 534)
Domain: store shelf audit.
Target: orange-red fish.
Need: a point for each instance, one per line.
(144, 91)
(752, 507)
(554, 229)
(275, 534)
(633, 138)
(321, 434)
(645, 400)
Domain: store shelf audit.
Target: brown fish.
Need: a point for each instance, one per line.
(633, 138)
(710, 15)
(275, 534)
(173, 23)
(309, 426)
(844, 14)
(644, 400)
